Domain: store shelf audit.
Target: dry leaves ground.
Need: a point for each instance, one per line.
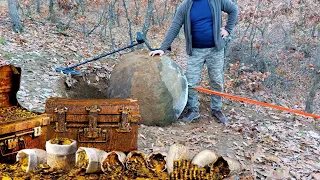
(268, 143)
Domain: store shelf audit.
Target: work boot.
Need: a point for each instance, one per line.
(220, 117)
(191, 116)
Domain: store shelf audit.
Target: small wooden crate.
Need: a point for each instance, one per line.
(106, 124)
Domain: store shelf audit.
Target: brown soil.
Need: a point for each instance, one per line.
(205, 133)
(84, 86)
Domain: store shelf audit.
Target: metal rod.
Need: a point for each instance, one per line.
(103, 55)
(17, 135)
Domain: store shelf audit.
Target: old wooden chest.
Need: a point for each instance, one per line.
(106, 124)
(19, 128)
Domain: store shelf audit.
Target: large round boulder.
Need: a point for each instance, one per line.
(158, 83)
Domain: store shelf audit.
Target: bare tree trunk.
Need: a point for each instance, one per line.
(153, 19)
(129, 22)
(51, 15)
(38, 3)
(312, 94)
(84, 26)
(84, 29)
(28, 10)
(148, 16)
(103, 16)
(315, 86)
(137, 9)
(314, 30)
(14, 16)
(118, 15)
(176, 7)
(103, 32)
(112, 16)
(111, 22)
(158, 17)
(146, 24)
(164, 11)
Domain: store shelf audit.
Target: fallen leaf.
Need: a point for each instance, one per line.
(273, 158)
(141, 135)
(72, 48)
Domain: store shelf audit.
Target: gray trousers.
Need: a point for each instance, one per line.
(215, 62)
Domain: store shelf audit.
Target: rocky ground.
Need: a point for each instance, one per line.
(269, 144)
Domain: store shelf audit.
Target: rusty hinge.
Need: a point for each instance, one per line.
(124, 124)
(61, 124)
(92, 133)
(11, 144)
(37, 131)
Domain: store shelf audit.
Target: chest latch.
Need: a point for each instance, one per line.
(92, 133)
(124, 124)
(61, 124)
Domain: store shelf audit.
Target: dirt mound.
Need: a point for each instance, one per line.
(91, 85)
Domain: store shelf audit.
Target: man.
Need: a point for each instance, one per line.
(202, 20)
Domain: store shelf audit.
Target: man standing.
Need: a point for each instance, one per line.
(205, 42)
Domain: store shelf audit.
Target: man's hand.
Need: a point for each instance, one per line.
(224, 33)
(160, 52)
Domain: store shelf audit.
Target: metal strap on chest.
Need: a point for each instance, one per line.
(92, 133)
(61, 124)
(124, 124)
(10, 143)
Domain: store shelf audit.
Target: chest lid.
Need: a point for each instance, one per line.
(15, 119)
(83, 106)
(9, 85)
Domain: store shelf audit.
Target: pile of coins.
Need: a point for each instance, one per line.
(13, 171)
(83, 160)
(184, 169)
(16, 172)
(24, 162)
(136, 164)
(14, 114)
(61, 141)
(113, 166)
(157, 164)
(136, 168)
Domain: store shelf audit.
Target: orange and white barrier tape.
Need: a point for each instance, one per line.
(251, 101)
